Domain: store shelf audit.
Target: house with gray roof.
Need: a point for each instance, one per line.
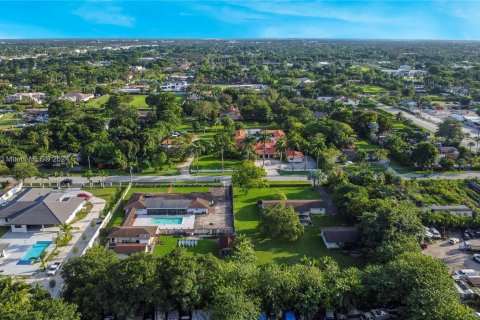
(338, 237)
(39, 208)
(168, 203)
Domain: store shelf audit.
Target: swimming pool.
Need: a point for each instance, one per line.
(34, 252)
(166, 221)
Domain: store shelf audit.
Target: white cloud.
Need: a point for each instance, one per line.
(101, 14)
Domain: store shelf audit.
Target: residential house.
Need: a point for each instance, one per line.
(350, 153)
(294, 156)
(10, 191)
(302, 81)
(346, 101)
(448, 152)
(300, 206)
(459, 210)
(127, 240)
(37, 97)
(473, 121)
(175, 86)
(270, 147)
(39, 208)
(339, 237)
(36, 115)
(232, 113)
(168, 204)
(76, 97)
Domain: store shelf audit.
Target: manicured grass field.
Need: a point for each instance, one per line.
(272, 251)
(9, 120)
(138, 101)
(170, 243)
(189, 189)
(366, 145)
(377, 168)
(403, 169)
(117, 217)
(97, 102)
(212, 162)
(372, 89)
(144, 190)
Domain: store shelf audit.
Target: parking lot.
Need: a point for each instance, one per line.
(451, 255)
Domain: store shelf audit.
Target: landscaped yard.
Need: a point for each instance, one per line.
(138, 101)
(170, 243)
(105, 193)
(268, 250)
(373, 89)
(377, 168)
(213, 162)
(9, 120)
(98, 102)
(366, 145)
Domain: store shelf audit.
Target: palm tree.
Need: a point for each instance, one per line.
(103, 174)
(89, 175)
(249, 142)
(293, 145)
(66, 229)
(42, 175)
(470, 144)
(222, 140)
(477, 140)
(71, 161)
(263, 139)
(281, 146)
(43, 260)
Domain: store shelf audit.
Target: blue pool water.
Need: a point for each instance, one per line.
(162, 220)
(34, 252)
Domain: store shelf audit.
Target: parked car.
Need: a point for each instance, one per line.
(54, 267)
(454, 240)
(380, 314)
(435, 233)
(476, 257)
(466, 272)
(83, 195)
(428, 232)
(66, 181)
(329, 315)
(466, 236)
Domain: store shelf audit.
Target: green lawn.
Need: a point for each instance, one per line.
(170, 243)
(3, 230)
(268, 250)
(117, 217)
(366, 145)
(403, 169)
(105, 193)
(144, 190)
(376, 168)
(373, 89)
(292, 173)
(189, 189)
(212, 162)
(98, 102)
(9, 120)
(138, 101)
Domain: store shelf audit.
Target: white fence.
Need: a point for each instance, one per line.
(210, 170)
(106, 220)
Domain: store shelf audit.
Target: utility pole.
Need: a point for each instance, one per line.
(131, 176)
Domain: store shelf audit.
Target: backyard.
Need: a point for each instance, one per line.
(268, 250)
(168, 243)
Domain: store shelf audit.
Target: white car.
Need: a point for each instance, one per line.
(466, 272)
(454, 240)
(476, 257)
(54, 267)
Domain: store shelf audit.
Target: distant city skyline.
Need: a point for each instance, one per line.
(435, 20)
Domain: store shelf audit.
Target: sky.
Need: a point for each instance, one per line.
(360, 19)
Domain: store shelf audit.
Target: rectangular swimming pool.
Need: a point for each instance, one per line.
(165, 221)
(34, 252)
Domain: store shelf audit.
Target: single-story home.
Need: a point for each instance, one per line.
(39, 208)
(350, 153)
(125, 241)
(448, 152)
(77, 96)
(300, 206)
(168, 203)
(338, 237)
(232, 113)
(459, 210)
(9, 192)
(294, 156)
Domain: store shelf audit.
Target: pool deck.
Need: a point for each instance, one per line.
(187, 223)
(19, 243)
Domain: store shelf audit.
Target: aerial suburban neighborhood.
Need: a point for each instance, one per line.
(238, 176)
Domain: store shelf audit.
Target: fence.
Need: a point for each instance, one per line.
(106, 220)
(210, 170)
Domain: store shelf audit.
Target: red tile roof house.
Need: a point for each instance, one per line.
(270, 147)
(232, 113)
